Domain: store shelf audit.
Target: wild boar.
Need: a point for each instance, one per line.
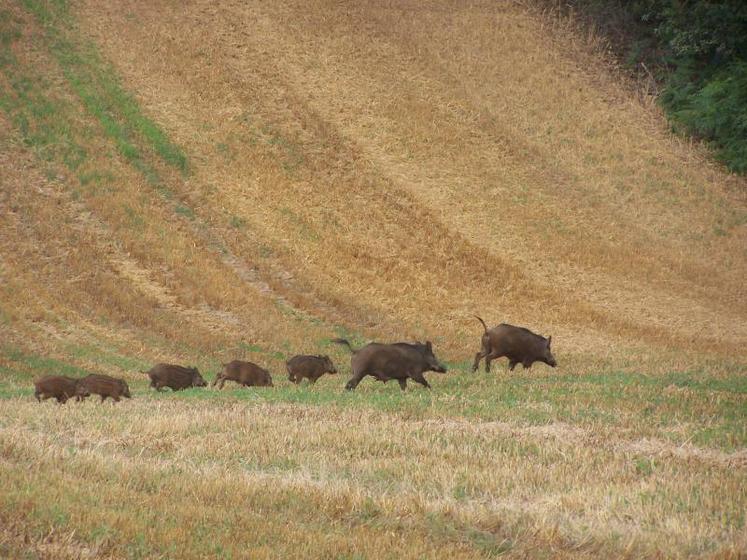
(310, 367)
(243, 373)
(519, 345)
(398, 361)
(174, 377)
(60, 387)
(104, 386)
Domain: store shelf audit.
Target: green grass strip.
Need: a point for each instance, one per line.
(98, 87)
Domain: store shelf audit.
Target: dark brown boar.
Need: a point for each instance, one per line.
(60, 387)
(310, 367)
(175, 377)
(398, 361)
(104, 386)
(244, 373)
(519, 345)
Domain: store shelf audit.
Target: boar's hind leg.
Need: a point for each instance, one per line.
(489, 358)
(479, 356)
(402, 383)
(512, 365)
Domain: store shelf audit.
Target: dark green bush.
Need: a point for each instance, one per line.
(715, 109)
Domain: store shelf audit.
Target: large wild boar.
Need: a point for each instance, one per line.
(243, 373)
(104, 386)
(519, 345)
(175, 377)
(398, 361)
(60, 387)
(310, 367)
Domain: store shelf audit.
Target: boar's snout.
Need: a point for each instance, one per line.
(431, 359)
(197, 379)
(549, 358)
(436, 366)
(329, 366)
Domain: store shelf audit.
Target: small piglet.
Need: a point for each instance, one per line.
(310, 367)
(59, 387)
(243, 373)
(104, 386)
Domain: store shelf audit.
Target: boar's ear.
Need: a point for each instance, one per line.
(549, 340)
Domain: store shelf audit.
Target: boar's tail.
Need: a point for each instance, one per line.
(484, 326)
(345, 342)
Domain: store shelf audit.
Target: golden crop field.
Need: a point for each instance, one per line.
(196, 182)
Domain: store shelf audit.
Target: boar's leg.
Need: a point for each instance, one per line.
(512, 365)
(492, 356)
(402, 383)
(418, 378)
(36, 394)
(479, 356)
(353, 383)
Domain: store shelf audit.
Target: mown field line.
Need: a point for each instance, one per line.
(573, 436)
(401, 506)
(560, 433)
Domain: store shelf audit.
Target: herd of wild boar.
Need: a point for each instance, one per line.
(384, 362)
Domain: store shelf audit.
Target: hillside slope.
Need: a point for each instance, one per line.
(395, 170)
